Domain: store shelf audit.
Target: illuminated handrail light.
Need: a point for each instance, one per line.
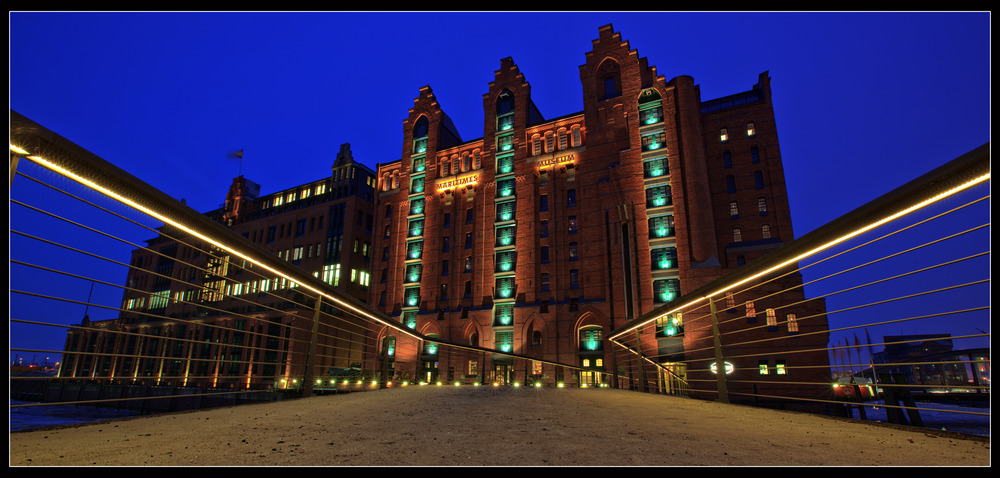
(241, 254)
(892, 217)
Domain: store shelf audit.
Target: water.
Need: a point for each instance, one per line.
(946, 419)
(29, 418)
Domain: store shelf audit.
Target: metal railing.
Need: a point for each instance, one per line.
(76, 220)
(882, 314)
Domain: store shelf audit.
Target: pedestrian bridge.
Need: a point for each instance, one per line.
(916, 258)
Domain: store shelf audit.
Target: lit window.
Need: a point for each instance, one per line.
(734, 210)
(730, 300)
(562, 139)
(772, 319)
(751, 131)
(723, 135)
(779, 367)
(762, 206)
(765, 231)
(751, 312)
(762, 367)
(572, 225)
(737, 234)
(793, 324)
(573, 253)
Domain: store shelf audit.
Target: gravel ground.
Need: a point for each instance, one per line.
(486, 426)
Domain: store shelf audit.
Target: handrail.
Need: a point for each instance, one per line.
(958, 174)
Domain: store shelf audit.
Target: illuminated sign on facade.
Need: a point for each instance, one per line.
(557, 160)
(466, 180)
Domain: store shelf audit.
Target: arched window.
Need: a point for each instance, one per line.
(609, 80)
(765, 231)
(737, 234)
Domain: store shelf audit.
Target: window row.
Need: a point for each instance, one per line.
(765, 233)
(758, 181)
(734, 208)
(551, 141)
(724, 132)
(727, 157)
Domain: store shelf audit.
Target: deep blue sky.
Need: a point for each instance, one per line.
(864, 102)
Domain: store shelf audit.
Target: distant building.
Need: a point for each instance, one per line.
(929, 360)
(194, 316)
(543, 235)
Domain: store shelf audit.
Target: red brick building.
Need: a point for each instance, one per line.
(543, 235)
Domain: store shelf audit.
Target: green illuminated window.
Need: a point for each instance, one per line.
(505, 164)
(416, 228)
(417, 185)
(505, 236)
(505, 188)
(416, 206)
(504, 341)
(505, 142)
(430, 348)
(390, 346)
(505, 288)
(664, 258)
(503, 314)
(505, 261)
(419, 164)
(665, 290)
(653, 141)
(411, 297)
(655, 167)
(670, 326)
(505, 211)
(414, 249)
(651, 115)
(410, 319)
(590, 339)
(505, 123)
(413, 272)
(659, 195)
(661, 226)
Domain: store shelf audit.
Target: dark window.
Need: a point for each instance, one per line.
(571, 198)
(754, 155)
(545, 285)
(758, 179)
(574, 279)
(447, 220)
(727, 159)
(544, 204)
(545, 255)
(730, 184)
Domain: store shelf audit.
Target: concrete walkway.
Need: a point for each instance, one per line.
(484, 426)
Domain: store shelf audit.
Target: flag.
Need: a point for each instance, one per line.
(236, 154)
